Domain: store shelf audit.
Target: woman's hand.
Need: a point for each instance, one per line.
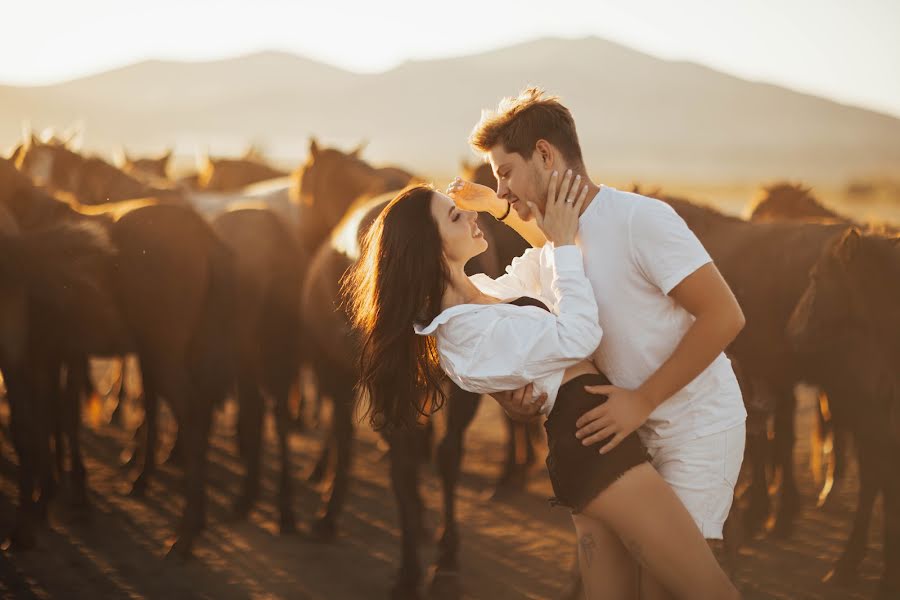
(559, 222)
(474, 196)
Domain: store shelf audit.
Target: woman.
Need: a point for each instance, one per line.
(419, 315)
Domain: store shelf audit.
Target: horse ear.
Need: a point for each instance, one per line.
(27, 134)
(313, 147)
(849, 245)
(120, 156)
(73, 139)
(202, 159)
(358, 150)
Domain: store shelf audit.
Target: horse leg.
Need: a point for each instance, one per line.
(149, 426)
(325, 527)
(404, 482)
(889, 587)
(506, 484)
(77, 381)
(117, 417)
(461, 409)
(22, 430)
(282, 392)
(757, 451)
(193, 406)
(250, 431)
(846, 568)
(47, 400)
(317, 475)
(785, 435)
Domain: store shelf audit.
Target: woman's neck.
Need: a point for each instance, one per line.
(461, 290)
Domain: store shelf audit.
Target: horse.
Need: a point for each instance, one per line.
(172, 283)
(322, 189)
(268, 265)
(49, 303)
(232, 174)
(507, 244)
(90, 180)
(772, 353)
(152, 166)
(326, 182)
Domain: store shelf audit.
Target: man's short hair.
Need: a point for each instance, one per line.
(518, 123)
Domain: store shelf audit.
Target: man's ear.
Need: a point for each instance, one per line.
(544, 150)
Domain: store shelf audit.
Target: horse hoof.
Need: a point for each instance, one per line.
(138, 488)
(241, 510)
(317, 475)
(287, 525)
(180, 552)
(444, 585)
(22, 539)
(841, 576)
(323, 530)
(405, 589)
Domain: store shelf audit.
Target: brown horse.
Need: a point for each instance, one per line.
(269, 266)
(91, 180)
(328, 179)
(506, 244)
(847, 329)
(323, 189)
(49, 305)
(172, 282)
(794, 202)
(769, 266)
(152, 166)
(231, 174)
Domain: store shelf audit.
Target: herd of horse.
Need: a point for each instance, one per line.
(223, 283)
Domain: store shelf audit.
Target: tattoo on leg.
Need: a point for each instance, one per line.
(635, 549)
(588, 546)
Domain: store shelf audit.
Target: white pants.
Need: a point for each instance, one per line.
(703, 473)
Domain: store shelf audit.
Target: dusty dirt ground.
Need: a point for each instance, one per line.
(512, 550)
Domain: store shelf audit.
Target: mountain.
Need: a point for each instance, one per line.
(638, 116)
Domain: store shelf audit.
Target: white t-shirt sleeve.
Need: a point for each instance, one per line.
(663, 246)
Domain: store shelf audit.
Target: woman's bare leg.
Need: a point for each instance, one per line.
(607, 569)
(643, 510)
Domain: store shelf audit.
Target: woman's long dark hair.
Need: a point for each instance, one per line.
(399, 280)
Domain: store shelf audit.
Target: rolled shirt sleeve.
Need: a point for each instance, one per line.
(528, 343)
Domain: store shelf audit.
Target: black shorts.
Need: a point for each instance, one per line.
(578, 472)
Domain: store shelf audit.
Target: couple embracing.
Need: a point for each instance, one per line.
(612, 325)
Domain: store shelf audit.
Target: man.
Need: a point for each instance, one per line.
(666, 312)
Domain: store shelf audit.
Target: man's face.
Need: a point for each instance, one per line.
(520, 180)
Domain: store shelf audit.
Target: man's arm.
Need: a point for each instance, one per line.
(718, 320)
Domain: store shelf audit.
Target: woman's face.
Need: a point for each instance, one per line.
(461, 237)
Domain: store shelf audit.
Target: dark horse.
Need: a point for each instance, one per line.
(774, 270)
(323, 188)
(328, 326)
(171, 282)
(268, 264)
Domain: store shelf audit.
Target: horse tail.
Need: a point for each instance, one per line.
(214, 346)
(58, 265)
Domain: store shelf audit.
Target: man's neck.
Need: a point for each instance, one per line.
(593, 190)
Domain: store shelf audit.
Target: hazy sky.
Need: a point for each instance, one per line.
(845, 50)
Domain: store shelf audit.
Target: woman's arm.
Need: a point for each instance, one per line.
(474, 196)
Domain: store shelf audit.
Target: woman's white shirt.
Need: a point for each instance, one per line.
(486, 348)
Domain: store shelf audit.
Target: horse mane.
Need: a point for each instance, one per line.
(786, 200)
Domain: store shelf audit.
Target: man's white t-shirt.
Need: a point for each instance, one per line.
(636, 249)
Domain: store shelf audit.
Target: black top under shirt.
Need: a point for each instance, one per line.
(528, 301)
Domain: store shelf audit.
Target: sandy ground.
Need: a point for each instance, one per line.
(514, 550)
